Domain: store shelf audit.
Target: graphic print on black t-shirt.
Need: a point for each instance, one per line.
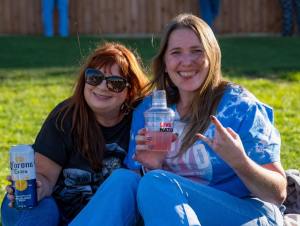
(77, 181)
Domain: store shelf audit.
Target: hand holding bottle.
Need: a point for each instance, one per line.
(144, 154)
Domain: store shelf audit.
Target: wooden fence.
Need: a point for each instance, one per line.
(134, 17)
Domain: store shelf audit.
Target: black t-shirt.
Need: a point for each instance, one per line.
(77, 181)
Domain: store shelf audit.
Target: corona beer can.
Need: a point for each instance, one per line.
(22, 168)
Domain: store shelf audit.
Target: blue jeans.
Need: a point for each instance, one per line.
(46, 214)
(47, 16)
(289, 9)
(209, 10)
(163, 198)
(113, 203)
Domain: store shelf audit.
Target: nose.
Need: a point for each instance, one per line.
(102, 85)
(187, 59)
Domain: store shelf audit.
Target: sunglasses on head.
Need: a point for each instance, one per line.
(114, 83)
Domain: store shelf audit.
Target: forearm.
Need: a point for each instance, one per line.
(264, 183)
(47, 173)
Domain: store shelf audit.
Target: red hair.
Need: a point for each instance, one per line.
(87, 135)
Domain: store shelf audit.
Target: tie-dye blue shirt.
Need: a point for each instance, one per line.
(239, 110)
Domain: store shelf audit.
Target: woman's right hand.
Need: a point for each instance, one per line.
(143, 153)
(11, 191)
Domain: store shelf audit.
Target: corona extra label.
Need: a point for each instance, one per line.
(23, 176)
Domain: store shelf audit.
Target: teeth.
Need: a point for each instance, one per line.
(186, 73)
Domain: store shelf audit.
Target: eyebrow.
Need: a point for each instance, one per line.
(192, 47)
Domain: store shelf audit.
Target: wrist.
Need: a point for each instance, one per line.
(243, 164)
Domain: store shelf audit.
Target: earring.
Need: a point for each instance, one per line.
(125, 108)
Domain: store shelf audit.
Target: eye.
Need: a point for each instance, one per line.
(176, 52)
(116, 83)
(199, 51)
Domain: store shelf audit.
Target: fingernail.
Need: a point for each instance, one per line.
(212, 118)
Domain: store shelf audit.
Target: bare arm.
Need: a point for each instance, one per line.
(47, 175)
(267, 182)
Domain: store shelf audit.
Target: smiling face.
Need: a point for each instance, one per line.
(102, 101)
(186, 61)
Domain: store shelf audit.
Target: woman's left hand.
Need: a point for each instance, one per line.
(226, 143)
(266, 182)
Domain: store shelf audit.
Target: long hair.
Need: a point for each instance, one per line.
(209, 93)
(86, 133)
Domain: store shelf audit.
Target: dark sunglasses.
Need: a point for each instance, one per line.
(114, 83)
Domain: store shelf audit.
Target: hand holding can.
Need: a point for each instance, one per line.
(23, 176)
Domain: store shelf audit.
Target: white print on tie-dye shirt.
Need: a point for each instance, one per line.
(242, 112)
(194, 164)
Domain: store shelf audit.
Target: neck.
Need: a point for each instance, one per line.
(184, 104)
(109, 120)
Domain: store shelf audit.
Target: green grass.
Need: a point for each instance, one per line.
(36, 73)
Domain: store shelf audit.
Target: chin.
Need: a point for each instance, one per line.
(189, 88)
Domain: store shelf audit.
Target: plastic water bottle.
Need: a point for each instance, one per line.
(159, 121)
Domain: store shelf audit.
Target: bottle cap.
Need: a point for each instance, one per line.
(159, 98)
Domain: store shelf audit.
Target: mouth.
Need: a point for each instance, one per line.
(186, 74)
(101, 96)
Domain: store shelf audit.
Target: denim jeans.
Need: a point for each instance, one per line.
(47, 16)
(114, 203)
(46, 214)
(163, 198)
(167, 199)
(209, 10)
(289, 9)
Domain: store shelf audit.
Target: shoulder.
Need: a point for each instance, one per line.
(59, 117)
(237, 99)
(60, 107)
(138, 114)
(238, 95)
(143, 105)
(239, 108)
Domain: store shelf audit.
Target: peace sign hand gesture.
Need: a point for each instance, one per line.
(226, 143)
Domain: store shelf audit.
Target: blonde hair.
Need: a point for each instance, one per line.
(212, 88)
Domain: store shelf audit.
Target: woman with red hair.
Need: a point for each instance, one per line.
(83, 139)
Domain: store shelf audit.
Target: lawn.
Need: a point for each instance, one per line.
(36, 73)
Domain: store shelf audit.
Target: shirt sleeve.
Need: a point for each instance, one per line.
(253, 121)
(137, 123)
(261, 140)
(51, 142)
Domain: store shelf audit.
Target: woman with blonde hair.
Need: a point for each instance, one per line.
(224, 167)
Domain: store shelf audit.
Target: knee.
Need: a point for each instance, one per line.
(46, 207)
(151, 184)
(124, 178)
(4, 206)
